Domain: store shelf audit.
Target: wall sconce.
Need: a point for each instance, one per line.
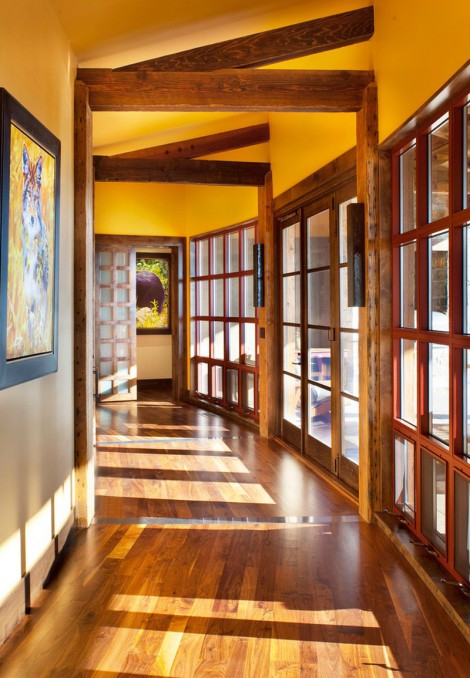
(258, 275)
(356, 255)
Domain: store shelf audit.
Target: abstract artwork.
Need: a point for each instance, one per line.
(30, 171)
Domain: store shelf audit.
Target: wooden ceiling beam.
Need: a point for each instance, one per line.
(269, 47)
(241, 91)
(214, 172)
(213, 143)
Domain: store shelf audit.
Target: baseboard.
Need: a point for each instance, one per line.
(23, 597)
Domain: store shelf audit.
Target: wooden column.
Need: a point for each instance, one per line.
(267, 390)
(83, 300)
(369, 316)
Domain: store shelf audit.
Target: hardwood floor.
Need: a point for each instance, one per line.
(249, 596)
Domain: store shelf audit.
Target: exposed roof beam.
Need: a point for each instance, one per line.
(244, 90)
(213, 143)
(215, 172)
(270, 47)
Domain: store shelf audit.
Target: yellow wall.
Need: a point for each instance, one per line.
(36, 418)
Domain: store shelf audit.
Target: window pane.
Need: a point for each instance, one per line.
(462, 526)
(350, 363)
(218, 346)
(249, 337)
(232, 386)
(350, 429)
(318, 234)
(122, 295)
(291, 293)
(248, 308)
(439, 170)
(408, 190)
(106, 368)
(122, 313)
(217, 382)
(233, 296)
(234, 343)
(466, 279)
(105, 276)
(408, 380)
(319, 298)
(218, 297)
(106, 331)
(466, 402)
(106, 295)
(292, 401)
(248, 242)
(122, 276)
(192, 258)
(202, 378)
(203, 297)
(193, 340)
(233, 254)
(405, 476)
(319, 357)
(439, 392)
(433, 500)
(192, 299)
(106, 258)
(106, 312)
(122, 259)
(466, 173)
(202, 257)
(349, 315)
(343, 230)
(408, 285)
(217, 264)
(248, 390)
(439, 282)
(292, 350)
(291, 249)
(319, 420)
(204, 341)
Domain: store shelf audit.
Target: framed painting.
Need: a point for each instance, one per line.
(29, 241)
(153, 293)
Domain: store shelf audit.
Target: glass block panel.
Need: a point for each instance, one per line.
(408, 285)
(106, 295)
(122, 313)
(319, 414)
(466, 165)
(232, 387)
(408, 190)
(217, 264)
(123, 368)
(291, 301)
(106, 258)
(218, 382)
(202, 258)
(122, 295)
(106, 350)
(248, 242)
(106, 313)
(123, 386)
(248, 391)
(106, 387)
(438, 253)
(122, 259)
(292, 400)
(122, 276)
(122, 351)
(192, 299)
(462, 526)
(318, 240)
(439, 170)
(249, 338)
(350, 429)
(291, 249)
(203, 297)
(234, 343)
(218, 297)
(408, 381)
(343, 230)
(319, 356)
(106, 277)
(439, 392)
(233, 296)
(106, 331)
(350, 363)
(219, 342)
(248, 308)
(106, 368)
(291, 350)
(204, 339)
(203, 378)
(349, 315)
(404, 491)
(233, 252)
(122, 331)
(319, 298)
(433, 500)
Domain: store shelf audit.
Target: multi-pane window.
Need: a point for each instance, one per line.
(431, 243)
(224, 325)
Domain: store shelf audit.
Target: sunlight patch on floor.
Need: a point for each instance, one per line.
(170, 462)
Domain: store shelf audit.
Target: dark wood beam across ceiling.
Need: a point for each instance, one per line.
(213, 143)
(241, 91)
(214, 172)
(269, 47)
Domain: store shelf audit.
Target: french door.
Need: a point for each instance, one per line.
(319, 337)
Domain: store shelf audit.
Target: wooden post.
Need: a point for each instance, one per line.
(369, 316)
(267, 391)
(83, 300)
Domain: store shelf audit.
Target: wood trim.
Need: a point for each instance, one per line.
(83, 305)
(323, 181)
(214, 172)
(226, 90)
(212, 143)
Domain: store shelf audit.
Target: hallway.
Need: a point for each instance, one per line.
(216, 553)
